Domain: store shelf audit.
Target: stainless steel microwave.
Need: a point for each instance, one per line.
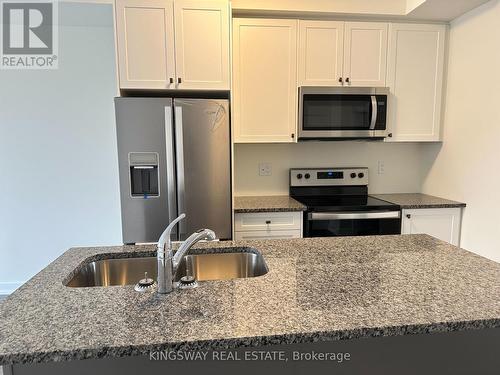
(342, 112)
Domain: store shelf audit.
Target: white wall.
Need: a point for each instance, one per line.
(466, 166)
(58, 162)
(402, 164)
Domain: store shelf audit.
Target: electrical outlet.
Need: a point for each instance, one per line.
(265, 169)
(381, 167)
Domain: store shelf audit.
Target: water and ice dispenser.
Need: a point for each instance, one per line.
(144, 176)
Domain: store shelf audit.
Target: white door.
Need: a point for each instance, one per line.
(415, 78)
(442, 223)
(145, 42)
(321, 52)
(264, 80)
(202, 44)
(365, 54)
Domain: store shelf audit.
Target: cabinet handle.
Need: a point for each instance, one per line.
(179, 80)
(389, 135)
(408, 216)
(171, 80)
(268, 222)
(347, 80)
(293, 135)
(341, 80)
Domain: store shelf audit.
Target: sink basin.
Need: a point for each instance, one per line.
(128, 271)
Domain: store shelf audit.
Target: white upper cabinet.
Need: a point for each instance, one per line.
(415, 77)
(153, 54)
(335, 53)
(202, 44)
(321, 53)
(145, 37)
(365, 54)
(264, 80)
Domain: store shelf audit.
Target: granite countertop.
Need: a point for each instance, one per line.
(417, 200)
(280, 203)
(345, 288)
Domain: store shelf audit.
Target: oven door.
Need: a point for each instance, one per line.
(356, 223)
(342, 112)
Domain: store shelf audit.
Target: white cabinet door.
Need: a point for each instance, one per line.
(264, 80)
(442, 223)
(321, 52)
(145, 42)
(202, 44)
(415, 77)
(365, 54)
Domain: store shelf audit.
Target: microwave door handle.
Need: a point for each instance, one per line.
(374, 112)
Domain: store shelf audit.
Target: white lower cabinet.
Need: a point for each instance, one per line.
(267, 225)
(442, 223)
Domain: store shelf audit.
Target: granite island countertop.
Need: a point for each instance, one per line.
(279, 203)
(345, 288)
(418, 200)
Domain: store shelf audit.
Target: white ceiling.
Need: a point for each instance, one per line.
(432, 10)
(443, 10)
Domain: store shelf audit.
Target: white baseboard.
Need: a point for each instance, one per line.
(7, 288)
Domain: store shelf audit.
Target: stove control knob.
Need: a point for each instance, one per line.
(353, 175)
(307, 176)
(361, 175)
(299, 176)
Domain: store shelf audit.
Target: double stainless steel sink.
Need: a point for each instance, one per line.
(128, 271)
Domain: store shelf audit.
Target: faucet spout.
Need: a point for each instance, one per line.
(164, 258)
(165, 240)
(200, 235)
(167, 262)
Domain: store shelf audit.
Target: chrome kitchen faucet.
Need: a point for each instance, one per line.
(167, 262)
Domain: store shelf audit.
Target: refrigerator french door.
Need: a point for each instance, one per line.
(174, 157)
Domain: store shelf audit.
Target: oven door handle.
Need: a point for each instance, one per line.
(374, 112)
(314, 216)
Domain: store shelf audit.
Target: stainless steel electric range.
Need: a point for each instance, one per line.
(338, 203)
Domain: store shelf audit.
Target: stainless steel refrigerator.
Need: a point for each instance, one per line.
(174, 156)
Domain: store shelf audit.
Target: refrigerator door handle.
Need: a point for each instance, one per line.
(179, 153)
(169, 142)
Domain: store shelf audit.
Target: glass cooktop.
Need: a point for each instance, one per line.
(345, 203)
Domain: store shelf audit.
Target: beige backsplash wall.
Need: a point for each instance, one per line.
(402, 164)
